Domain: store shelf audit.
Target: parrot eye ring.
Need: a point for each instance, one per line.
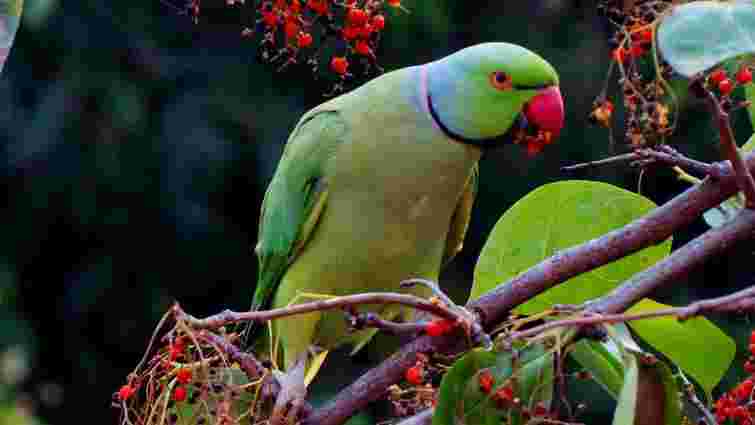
(501, 80)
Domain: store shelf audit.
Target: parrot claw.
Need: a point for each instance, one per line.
(290, 403)
(468, 320)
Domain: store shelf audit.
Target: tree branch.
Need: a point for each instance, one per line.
(740, 301)
(494, 306)
(228, 317)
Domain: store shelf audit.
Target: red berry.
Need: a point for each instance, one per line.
(350, 32)
(183, 376)
(378, 22)
(339, 65)
(295, 6)
(608, 105)
(504, 396)
(179, 394)
(539, 409)
(725, 86)
(357, 17)
(126, 392)
(414, 375)
(365, 31)
(439, 327)
(752, 337)
(717, 76)
(291, 29)
(618, 54)
(270, 19)
(362, 48)
(394, 3)
(304, 40)
(744, 76)
(486, 381)
(749, 367)
(636, 51)
(744, 389)
(319, 6)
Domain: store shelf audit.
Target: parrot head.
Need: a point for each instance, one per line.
(493, 94)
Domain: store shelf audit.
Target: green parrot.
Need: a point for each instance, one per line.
(376, 186)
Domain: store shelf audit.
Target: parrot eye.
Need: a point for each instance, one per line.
(501, 80)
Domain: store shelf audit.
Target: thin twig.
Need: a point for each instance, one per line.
(373, 320)
(624, 157)
(741, 301)
(731, 152)
(228, 317)
(642, 157)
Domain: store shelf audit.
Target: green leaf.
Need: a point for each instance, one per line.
(554, 217)
(696, 36)
(454, 384)
(461, 400)
(627, 406)
(696, 345)
(603, 361)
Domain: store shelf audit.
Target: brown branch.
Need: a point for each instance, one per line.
(372, 320)
(228, 317)
(731, 152)
(642, 157)
(677, 265)
(494, 306)
(741, 301)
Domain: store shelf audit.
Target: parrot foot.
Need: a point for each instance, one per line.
(291, 401)
(469, 321)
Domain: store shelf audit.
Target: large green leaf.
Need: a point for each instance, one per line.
(698, 35)
(554, 217)
(696, 345)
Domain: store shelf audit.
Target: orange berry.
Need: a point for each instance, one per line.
(394, 3)
(179, 394)
(295, 6)
(304, 39)
(339, 65)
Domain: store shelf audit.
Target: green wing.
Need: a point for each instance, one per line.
(295, 198)
(460, 219)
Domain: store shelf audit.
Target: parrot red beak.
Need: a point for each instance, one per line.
(544, 112)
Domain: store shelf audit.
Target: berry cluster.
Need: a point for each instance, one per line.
(719, 80)
(736, 406)
(505, 397)
(182, 374)
(342, 34)
(648, 99)
(421, 394)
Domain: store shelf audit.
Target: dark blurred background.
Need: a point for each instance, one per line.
(135, 148)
